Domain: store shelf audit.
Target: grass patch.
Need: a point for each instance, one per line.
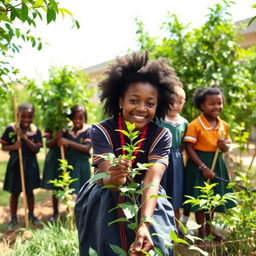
(53, 239)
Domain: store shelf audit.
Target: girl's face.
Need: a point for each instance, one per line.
(78, 120)
(26, 118)
(212, 106)
(139, 104)
(178, 105)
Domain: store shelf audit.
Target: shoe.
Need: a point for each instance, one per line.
(35, 221)
(12, 225)
(54, 218)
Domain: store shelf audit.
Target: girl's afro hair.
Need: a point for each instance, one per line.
(137, 68)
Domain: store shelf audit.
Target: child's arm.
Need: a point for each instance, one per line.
(78, 146)
(205, 170)
(52, 141)
(32, 146)
(12, 147)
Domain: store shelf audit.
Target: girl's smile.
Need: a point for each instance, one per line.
(212, 106)
(78, 120)
(139, 104)
(26, 118)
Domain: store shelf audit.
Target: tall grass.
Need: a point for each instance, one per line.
(53, 239)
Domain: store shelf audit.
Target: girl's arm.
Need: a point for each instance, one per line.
(52, 141)
(78, 146)
(205, 170)
(32, 146)
(152, 180)
(12, 147)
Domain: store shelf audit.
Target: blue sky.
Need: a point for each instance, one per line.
(108, 30)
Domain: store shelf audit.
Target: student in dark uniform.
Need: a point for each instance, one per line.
(78, 144)
(31, 141)
(51, 169)
(138, 91)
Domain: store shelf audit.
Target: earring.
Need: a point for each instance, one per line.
(120, 107)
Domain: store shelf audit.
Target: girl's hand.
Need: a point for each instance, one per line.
(20, 133)
(222, 145)
(143, 241)
(62, 142)
(120, 172)
(207, 173)
(17, 145)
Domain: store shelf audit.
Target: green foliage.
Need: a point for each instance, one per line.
(14, 13)
(64, 192)
(205, 56)
(241, 220)
(208, 201)
(52, 239)
(65, 88)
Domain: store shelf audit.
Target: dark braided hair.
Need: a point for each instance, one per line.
(200, 95)
(137, 68)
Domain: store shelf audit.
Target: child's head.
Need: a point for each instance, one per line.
(179, 102)
(209, 100)
(26, 114)
(78, 116)
(141, 90)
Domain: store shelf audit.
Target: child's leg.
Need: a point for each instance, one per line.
(55, 203)
(31, 203)
(184, 217)
(200, 220)
(209, 231)
(14, 205)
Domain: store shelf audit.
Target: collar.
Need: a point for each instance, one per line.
(174, 122)
(207, 126)
(75, 135)
(31, 131)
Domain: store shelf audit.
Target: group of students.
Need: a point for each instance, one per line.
(150, 95)
(76, 142)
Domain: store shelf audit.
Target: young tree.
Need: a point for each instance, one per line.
(14, 14)
(209, 55)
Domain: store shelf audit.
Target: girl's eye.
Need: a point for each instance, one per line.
(133, 101)
(151, 104)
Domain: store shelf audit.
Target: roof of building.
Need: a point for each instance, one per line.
(246, 29)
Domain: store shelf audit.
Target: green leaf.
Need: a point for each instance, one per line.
(92, 252)
(50, 15)
(118, 220)
(129, 209)
(118, 250)
(38, 3)
(24, 11)
(98, 176)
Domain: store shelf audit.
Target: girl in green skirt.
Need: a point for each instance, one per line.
(204, 136)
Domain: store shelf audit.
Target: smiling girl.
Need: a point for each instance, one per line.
(31, 141)
(78, 144)
(138, 91)
(204, 135)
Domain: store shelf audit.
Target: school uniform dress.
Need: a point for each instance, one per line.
(51, 170)
(204, 138)
(173, 178)
(12, 182)
(79, 160)
(93, 202)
